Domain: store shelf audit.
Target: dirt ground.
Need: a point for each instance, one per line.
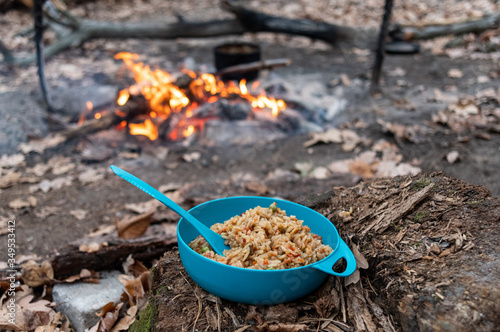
(66, 212)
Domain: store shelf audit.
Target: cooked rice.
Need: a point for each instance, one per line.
(265, 239)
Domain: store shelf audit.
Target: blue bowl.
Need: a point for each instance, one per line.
(259, 286)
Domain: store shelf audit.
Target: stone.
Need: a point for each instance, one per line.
(72, 101)
(22, 116)
(81, 301)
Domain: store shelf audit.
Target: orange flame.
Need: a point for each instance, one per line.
(165, 98)
(146, 129)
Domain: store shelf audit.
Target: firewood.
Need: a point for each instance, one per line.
(135, 106)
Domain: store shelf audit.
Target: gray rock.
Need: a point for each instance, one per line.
(81, 301)
(22, 116)
(73, 101)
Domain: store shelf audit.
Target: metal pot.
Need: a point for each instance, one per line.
(259, 286)
(232, 54)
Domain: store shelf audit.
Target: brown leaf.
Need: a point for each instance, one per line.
(136, 288)
(19, 203)
(109, 315)
(330, 136)
(351, 139)
(9, 179)
(362, 169)
(92, 247)
(257, 187)
(91, 175)
(84, 276)
(40, 145)
(361, 261)
(133, 267)
(352, 279)
(143, 207)
(11, 161)
(79, 214)
(134, 227)
(35, 275)
(124, 323)
(325, 305)
(52, 326)
(104, 229)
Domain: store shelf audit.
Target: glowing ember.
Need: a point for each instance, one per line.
(165, 97)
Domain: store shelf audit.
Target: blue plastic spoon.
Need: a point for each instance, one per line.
(214, 239)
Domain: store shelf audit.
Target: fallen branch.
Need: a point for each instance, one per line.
(72, 260)
(246, 21)
(409, 33)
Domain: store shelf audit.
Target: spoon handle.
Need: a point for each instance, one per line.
(162, 198)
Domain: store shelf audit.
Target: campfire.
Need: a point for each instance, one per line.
(179, 106)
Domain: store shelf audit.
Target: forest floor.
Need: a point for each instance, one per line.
(438, 110)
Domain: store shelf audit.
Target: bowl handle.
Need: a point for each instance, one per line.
(342, 251)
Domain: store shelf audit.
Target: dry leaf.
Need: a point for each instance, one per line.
(92, 247)
(455, 73)
(345, 79)
(11, 161)
(35, 275)
(361, 261)
(464, 107)
(47, 185)
(79, 214)
(144, 207)
(330, 136)
(320, 173)
(136, 288)
(109, 315)
(340, 166)
(9, 179)
(362, 169)
(91, 175)
(39, 169)
(173, 186)
(19, 203)
(124, 323)
(133, 267)
(190, 157)
(134, 227)
(452, 157)
(46, 211)
(55, 325)
(104, 229)
(304, 167)
(351, 139)
(352, 279)
(39, 146)
(257, 187)
(84, 276)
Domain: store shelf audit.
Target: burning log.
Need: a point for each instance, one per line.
(184, 81)
(134, 107)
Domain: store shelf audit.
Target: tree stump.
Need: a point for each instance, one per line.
(428, 259)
